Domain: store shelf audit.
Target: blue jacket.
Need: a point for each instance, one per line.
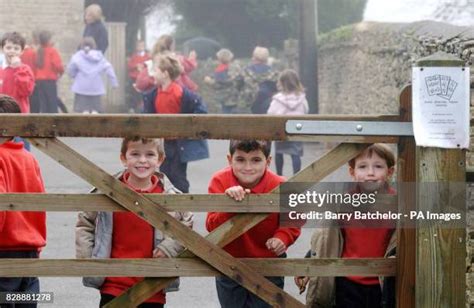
(189, 150)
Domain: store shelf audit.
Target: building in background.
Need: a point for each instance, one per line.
(63, 17)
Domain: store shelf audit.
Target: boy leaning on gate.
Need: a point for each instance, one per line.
(124, 234)
(371, 171)
(248, 173)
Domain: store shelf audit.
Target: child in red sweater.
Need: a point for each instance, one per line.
(22, 234)
(371, 170)
(49, 67)
(16, 79)
(135, 64)
(124, 234)
(248, 172)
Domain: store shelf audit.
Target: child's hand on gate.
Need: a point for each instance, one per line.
(237, 192)
(157, 253)
(301, 282)
(276, 246)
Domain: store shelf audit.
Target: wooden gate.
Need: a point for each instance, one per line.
(443, 251)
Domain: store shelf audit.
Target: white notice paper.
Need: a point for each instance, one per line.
(441, 107)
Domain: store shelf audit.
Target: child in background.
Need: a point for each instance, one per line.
(86, 68)
(165, 45)
(16, 78)
(248, 173)
(169, 97)
(290, 100)
(22, 234)
(258, 81)
(372, 171)
(224, 81)
(124, 234)
(49, 67)
(28, 57)
(135, 64)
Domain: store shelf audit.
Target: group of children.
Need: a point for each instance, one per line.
(160, 166)
(30, 72)
(108, 235)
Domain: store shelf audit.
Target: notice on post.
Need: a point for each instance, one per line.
(441, 107)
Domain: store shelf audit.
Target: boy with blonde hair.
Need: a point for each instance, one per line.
(124, 234)
(258, 81)
(260, 55)
(224, 81)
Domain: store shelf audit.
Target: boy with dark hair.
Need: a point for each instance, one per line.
(22, 234)
(16, 79)
(247, 173)
(169, 97)
(124, 234)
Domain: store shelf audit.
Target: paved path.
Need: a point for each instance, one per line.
(195, 292)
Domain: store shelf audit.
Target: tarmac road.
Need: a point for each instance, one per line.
(195, 292)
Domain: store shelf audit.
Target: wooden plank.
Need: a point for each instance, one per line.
(253, 203)
(192, 267)
(406, 237)
(159, 218)
(441, 251)
(239, 224)
(166, 126)
(221, 236)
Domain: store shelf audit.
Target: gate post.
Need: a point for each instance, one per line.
(440, 251)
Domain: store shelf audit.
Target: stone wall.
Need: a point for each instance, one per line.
(363, 67)
(63, 17)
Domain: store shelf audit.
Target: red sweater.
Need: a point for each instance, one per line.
(28, 57)
(168, 101)
(18, 83)
(52, 65)
(144, 82)
(366, 243)
(132, 237)
(251, 244)
(20, 173)
(135, 60)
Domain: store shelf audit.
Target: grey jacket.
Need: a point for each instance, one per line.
(328, 243)
(94, 233)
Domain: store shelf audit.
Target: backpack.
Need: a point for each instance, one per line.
(258, 88)
(263, 98)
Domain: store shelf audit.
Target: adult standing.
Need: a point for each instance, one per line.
(95, 27)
